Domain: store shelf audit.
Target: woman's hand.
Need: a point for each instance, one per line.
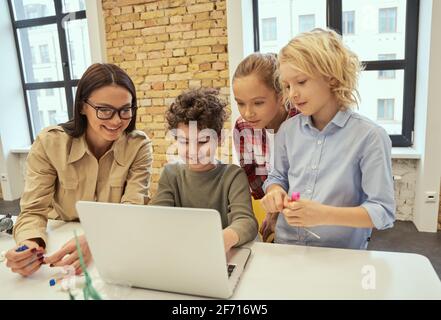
(68, 255)
(274, 200)
(28, 261)
(305, 213)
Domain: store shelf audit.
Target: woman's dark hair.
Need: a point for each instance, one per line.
(201, 105)
(98, 75)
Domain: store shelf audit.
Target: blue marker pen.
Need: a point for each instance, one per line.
(22, 248)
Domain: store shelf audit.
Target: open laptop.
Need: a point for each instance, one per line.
(163, 248)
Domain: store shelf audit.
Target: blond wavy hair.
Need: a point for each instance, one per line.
(322, 51)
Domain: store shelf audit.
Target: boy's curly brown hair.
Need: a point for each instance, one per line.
(201, 105)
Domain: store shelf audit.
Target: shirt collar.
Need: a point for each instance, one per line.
(340, 119)
(79, 148)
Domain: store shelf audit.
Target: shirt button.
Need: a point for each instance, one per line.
(314, 167)
(308, 191)
(319, 142)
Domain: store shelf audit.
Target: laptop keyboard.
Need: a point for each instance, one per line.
(230, 269)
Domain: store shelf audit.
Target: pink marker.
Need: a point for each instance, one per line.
(295, 196)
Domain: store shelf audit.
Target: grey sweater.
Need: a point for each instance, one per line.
(224, 188)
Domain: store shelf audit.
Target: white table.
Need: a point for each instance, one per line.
(273, 272)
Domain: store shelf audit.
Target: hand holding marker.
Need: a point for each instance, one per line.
(294, 197)
(19, 249)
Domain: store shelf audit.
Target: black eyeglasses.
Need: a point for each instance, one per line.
(107, 113)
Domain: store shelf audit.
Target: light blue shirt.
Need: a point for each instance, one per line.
(347, 164)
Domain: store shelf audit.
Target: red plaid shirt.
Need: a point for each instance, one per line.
(252, 149)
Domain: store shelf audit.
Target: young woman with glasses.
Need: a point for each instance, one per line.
(96, 156)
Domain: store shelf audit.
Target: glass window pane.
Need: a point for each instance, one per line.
(387, 20)
(382, 101)
(31, 9)
(40, 52)
(47, 107)
(348, 22)
(77, 37)
(385, 109)
(380, 27)
(269, 29)
(292, 17)
(73, 5)
(306, 22)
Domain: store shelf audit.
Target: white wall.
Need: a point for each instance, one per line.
(97, 34)
(240, 44)
(428, 115)
(14, 132)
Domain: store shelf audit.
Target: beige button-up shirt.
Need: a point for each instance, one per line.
(61, 170)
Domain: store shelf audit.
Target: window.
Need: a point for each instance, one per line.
(306, 22)
(33, 57)
(386, 74)
(348, 22)
(40, 116)
(385, 109)
(388, 50)
(49, 92)
(52, 117)
(45, 34)
(34, 10)
(269, 29)
(387, 21)
(44, 54)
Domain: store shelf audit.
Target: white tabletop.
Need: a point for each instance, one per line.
(273, 272)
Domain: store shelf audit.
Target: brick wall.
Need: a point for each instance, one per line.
(405, 188)
(167, 47)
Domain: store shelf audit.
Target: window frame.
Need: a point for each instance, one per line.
(334, 17)
(67, 83)
(385, 75)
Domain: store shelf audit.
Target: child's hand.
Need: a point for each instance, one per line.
(231, 238)
(273, 201)
(304, 213)
(268, 225)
